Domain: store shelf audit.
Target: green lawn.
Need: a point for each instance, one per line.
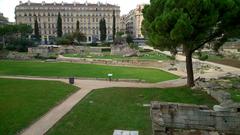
(24, 101)
(104, 110)
(143, 56)
(60, 69)
(235, 93)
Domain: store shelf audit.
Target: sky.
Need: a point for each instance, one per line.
(7, 7)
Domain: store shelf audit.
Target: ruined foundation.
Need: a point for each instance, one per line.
(167, 117)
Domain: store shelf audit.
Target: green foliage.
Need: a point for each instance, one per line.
(59, 25)
(15, 37)
(103, 30)
(119, 34)
(36, 30)
(19, 44)
(70, 39)
(22, 29)
(78, 27)
(203, 57)
(129, 39)
(114, 25)
(79, 37)
(172, 23)
(188, 22)
(134, 46)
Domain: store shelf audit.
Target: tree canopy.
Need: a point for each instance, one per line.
(190, 23)
(114, 25)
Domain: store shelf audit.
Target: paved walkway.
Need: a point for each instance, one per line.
(41, 126)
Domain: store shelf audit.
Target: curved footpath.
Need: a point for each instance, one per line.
(211, 74)
(47, 121)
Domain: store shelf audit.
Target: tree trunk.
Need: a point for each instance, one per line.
(189, 67)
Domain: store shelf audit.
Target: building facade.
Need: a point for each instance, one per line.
(133, 21)
(3, 20)
(123, 24)
(88, 14)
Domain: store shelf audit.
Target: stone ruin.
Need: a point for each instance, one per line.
(123, 50)
(173, 119)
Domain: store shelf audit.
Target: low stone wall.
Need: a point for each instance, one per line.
(169, 116)
(18, 56)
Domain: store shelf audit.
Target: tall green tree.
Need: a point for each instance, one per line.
(103, 30)
(114, 25)
(191, 24)
(36, 29)
(77, 26)
(59, 25)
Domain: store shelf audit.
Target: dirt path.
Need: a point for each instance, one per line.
(47, 121)
(210, 74)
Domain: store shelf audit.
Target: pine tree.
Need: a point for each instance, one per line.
(192, 24)
(59, 25)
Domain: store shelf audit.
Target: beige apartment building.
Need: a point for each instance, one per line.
(133, 22)
(88, 14)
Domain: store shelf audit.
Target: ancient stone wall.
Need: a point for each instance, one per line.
(182, 116)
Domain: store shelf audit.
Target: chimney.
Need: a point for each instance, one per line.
(43, 3)
(20, 2)
(54, 3)
(29, 2)
(62, 3)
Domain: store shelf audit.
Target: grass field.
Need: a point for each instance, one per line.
(235, 93)
(24, 101)
(104, 110)
(143, 56)
(36, 68)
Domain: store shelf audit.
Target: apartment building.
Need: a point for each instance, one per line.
(88, 14)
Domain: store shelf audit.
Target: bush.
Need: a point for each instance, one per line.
(93, 44)
(63, 41)
(203, 57)
(20, 45)
(133, 46)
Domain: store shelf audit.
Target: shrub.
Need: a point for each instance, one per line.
(203, 57)
(20, 45)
